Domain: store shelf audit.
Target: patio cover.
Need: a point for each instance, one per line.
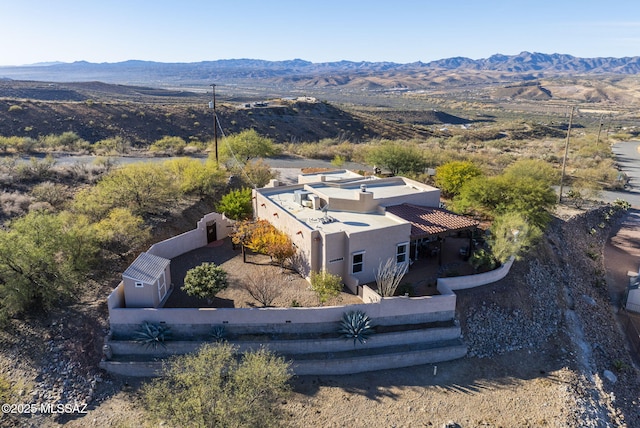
(428, 221)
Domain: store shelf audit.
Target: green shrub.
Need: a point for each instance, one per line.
(215, 388)
(205, 281)
(326, 285)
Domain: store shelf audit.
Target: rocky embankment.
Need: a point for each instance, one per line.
(560, 295)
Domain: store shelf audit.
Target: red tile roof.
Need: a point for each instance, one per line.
(427, 221)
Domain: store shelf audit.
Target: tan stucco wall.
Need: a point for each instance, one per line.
(192, 239)
(302, 236)
(378, 244)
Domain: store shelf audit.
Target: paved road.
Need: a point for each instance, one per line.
(628, 158)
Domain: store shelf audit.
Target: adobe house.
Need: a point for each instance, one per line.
(147, 281)
(348, 226)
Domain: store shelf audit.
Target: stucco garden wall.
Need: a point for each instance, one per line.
(196, 238)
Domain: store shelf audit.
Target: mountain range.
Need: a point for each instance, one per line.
(303, 73)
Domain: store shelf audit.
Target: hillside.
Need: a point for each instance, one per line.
(96, 111)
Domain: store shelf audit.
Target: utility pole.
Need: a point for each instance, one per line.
(599, 130)
(566, 153)
(212, 105)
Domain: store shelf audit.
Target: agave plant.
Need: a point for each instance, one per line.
(218, 333)
(356, 325)
(151, 335)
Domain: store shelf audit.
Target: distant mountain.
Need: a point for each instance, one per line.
(305, 74)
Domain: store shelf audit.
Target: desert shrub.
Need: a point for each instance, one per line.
(35, 169)
(15, 109)
(66, 141)
(512, 236)
(110, 146)
(169, 145)
(326, 285)
(215, 388)
(205, 281)
(52, 193)
(264, 288)
(257, 173)
(14, 203)
(389, 275)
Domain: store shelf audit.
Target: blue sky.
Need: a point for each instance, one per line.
(401, 31)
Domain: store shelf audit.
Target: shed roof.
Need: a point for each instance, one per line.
(426, 221)
(146, 268)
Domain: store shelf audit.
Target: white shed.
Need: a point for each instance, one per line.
(147, 281)
(632, 298)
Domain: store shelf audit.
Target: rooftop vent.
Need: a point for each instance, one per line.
(363, 188)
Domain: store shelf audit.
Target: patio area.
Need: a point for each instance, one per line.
(433, 263)
(420, 279)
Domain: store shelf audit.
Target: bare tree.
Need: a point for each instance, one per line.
(389, 275)
(264, 288)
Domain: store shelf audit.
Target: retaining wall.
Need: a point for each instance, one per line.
(448, 285)
(198, 321)
(300, 346)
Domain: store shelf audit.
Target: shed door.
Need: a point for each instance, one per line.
(212, 232)
(162, 287)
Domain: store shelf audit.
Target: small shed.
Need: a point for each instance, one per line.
(147, 281)
(632, 298)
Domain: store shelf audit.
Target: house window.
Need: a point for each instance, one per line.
(139, 284)
(401, 252)
(357, 262)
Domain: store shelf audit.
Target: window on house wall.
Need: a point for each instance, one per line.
(401, 252)
(357, 262)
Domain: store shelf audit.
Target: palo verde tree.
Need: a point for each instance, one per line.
(247, 145)
(522, 188)
(451, 176)
(194, 177)
(236, 204)
(121, 232)
(43, 258)
(398, 158)
(214, 388)
(143, 188)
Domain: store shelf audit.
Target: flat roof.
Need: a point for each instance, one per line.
(350, 222)
(331, 175)
(381, 188)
